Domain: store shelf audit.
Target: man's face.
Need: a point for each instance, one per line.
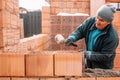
(100, 23)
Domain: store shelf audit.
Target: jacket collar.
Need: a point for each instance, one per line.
(93, 27)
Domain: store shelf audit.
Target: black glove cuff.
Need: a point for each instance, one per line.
(68, 42)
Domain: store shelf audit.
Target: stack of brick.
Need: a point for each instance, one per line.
(9, 23)
(117, 26)
(44, 63)
(35, 43)
(10, 35)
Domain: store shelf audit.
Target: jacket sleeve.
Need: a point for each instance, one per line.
(79, 32)
(106, 53)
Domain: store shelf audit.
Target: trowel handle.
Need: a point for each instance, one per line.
(72, 44)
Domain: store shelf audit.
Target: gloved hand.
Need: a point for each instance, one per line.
(87, 54)
(68, 42)
(84, 63)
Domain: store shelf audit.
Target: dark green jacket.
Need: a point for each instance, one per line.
(104, 50)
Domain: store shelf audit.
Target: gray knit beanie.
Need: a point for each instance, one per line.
(106, 12)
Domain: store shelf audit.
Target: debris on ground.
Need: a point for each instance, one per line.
(101, 73)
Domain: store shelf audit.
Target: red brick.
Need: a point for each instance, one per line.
(12, 64)
(112, 0)
(4, 78)
(45, 9)
(117, 60)
(85, 78)
(2, 4)
(5, 18)
(108, 78)
(46, 30)
(116, 68)
(68, 63)
(52, 78)
(39, 64)
(45, 16)
(24, 78)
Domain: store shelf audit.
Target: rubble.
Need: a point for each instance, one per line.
(101, 73)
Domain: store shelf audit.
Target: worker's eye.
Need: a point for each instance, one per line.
(100, 19)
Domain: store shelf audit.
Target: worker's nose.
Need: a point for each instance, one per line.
(97, 21)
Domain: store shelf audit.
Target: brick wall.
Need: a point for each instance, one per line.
(112, 0)
(35, 43)
(9, 23)
(117, 26)
(10, 31)
(53, 65)
(65, 25)
(71, 6)
(53, 24)
(42, 63)
(46, 20)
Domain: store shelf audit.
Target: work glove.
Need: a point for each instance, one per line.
(68, 42)
(87, 54)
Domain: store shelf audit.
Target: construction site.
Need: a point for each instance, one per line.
(31, 53)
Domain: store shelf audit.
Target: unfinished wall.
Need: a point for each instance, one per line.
(10, 31)
(53, 24)
(50, 65)
(9, 23)
(71, 6)
(65, 25)
(13, 65)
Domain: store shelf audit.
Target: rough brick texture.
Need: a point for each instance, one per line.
(112, 0)
(68, 63)
(12, 64)
(39, 64)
